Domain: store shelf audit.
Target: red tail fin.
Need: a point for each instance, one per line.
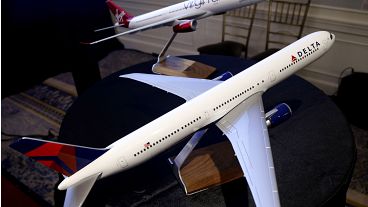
(64, 158)
(122, 17)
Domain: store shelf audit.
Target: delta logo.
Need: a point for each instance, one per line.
(312, 47)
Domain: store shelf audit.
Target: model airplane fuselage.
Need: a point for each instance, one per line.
(236, 101)
(169, 129)
(182, 16)
(192, 9)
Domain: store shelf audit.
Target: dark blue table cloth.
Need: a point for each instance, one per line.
(313, 151)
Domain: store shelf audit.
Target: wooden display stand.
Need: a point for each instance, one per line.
(210, 166)
(200, 169)
(175, 66)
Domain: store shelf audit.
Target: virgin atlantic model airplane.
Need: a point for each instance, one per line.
(234, 105)
(182, 16)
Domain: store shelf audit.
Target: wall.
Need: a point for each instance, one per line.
(349, 25)
(351, 4)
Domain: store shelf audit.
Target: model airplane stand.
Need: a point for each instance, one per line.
(205, 167)
(200, 169)
(176, 66)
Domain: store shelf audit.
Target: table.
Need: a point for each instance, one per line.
(313, 151)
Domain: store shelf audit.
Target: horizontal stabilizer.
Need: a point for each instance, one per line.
(76, 195)
(111, 27)
(64, 158)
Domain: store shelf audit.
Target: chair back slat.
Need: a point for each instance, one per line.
(287, 14)
(237, 24)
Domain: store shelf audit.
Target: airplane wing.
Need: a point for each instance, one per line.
(168, 21)
(186, 88)
(245, 126)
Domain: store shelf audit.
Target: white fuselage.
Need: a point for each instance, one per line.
(167, 130)
(205, 7)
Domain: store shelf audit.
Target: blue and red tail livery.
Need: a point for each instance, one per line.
(64, 158)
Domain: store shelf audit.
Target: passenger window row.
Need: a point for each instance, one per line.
(236, 97)
(149, 145)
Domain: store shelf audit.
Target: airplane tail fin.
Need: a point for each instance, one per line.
(64, 158)
(122, 17)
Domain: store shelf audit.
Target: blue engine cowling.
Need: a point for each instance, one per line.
(224, 76)
(277, 115)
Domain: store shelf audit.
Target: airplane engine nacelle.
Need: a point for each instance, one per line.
(224, 76)
(277, 115)
(185, 26)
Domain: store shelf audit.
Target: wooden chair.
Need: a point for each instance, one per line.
(285, 23)
(236, 30)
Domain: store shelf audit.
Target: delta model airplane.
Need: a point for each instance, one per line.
(234, 105)
(182, 16)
